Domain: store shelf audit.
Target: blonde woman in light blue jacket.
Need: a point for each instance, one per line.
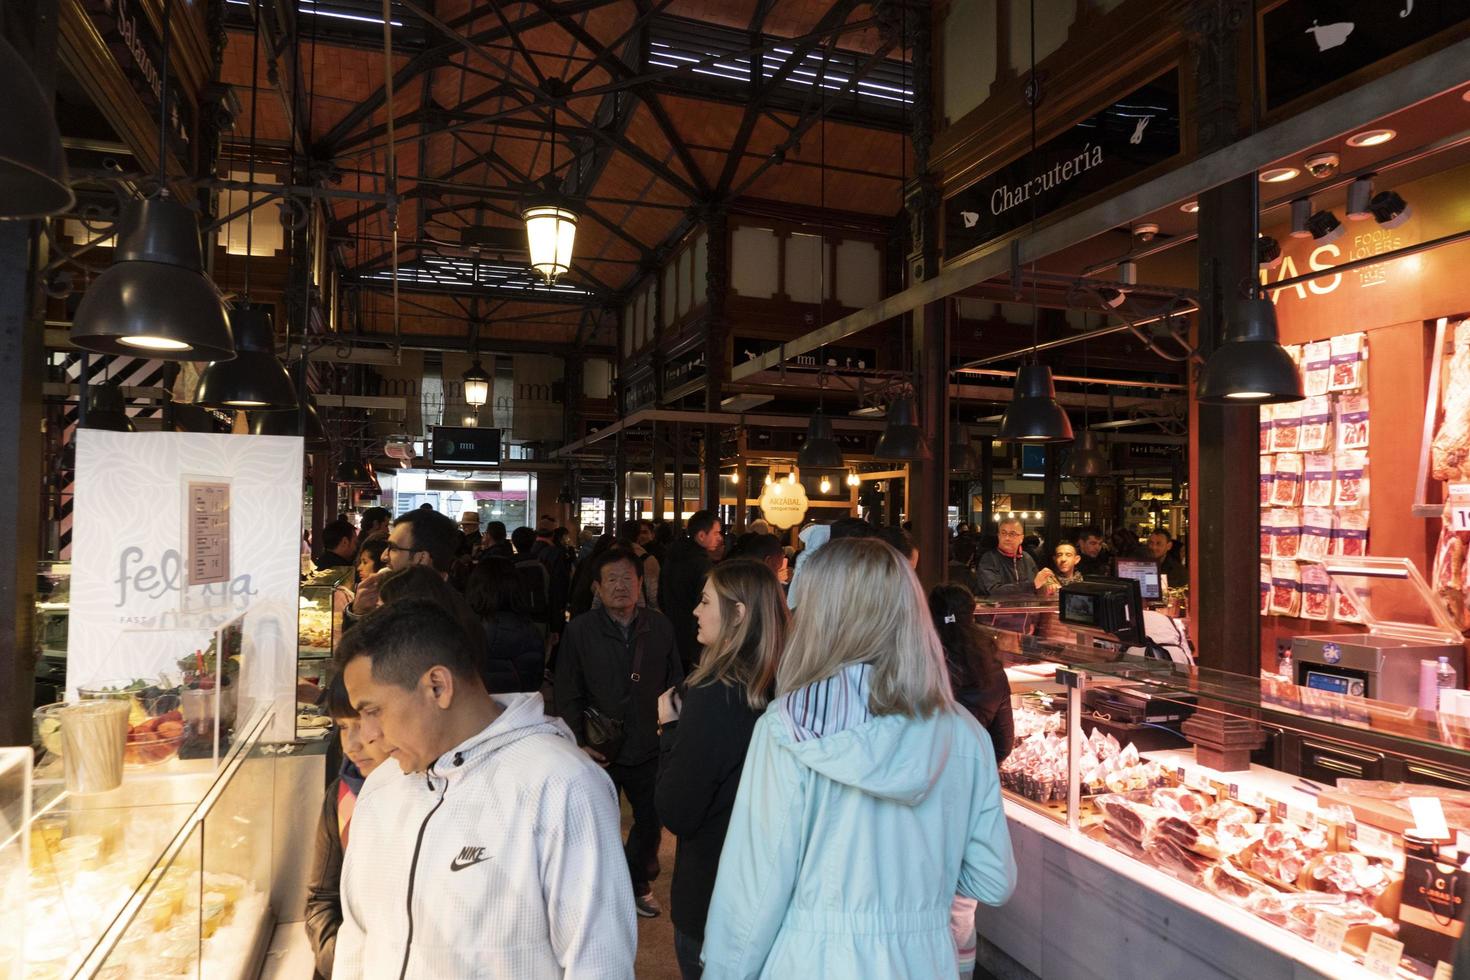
(868, 799)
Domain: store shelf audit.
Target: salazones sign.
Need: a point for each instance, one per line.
(1130, 135)
(138, 51)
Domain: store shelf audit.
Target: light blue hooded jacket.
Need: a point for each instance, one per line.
(851, 835)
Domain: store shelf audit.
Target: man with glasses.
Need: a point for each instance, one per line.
(420, 537)
(1008, 571)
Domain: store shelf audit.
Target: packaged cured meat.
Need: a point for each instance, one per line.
(1316, 425)
(1352, 422)
(1171, 857)
(1317, 475)
(1228, 812)
(1179, 800)
(1268, 415)
(1265, 587)
(1351, 479)
(1349, 351)
(1134, 819)
(1230, 884)
(1286, 533)
(1316, 366)
(1286, 427)
(1316, 593)
(1449, 453)
(1449, 578)
(1268, 532)
(1286, 488)
(1316, 541)
(1356, 877)
(1268, 477)
(1350, 533)
(1236, 837)
(1286, 596)
(1344, 607)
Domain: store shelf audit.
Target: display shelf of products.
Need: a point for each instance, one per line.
(1309, 868)
(167, 875)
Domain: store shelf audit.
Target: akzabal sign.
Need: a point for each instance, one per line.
(784, 504)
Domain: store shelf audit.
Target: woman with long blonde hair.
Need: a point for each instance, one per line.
(742, 626)
(868, 798)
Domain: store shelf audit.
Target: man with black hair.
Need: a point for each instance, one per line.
(420, 537)
(486, 846)
(1094, 560)
(613, 663)
(764, 548)
(375, 520)
(630, 536)
(851, 527)
(681, 579)
(558, 564)
(535, 580)
(339, 544)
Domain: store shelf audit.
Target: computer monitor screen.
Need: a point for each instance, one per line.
(1145, 573)
(1109, 605)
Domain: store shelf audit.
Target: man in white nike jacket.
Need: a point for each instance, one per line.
(492, 847)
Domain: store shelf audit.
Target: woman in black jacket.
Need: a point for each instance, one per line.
(979, 681)
(742, 627)
(323, 896)
(517, 654)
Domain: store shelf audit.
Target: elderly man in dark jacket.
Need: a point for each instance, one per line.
(1009, 572)
(681, 579)
(614, 663)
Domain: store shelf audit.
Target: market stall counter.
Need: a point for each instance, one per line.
(1194, 824)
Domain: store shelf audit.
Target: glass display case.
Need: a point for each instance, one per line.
(1278, 811)
(53, 609)
(167, 875)
(15, 818)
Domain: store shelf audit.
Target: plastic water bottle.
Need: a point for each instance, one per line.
(1444, 674)
(1284, 666)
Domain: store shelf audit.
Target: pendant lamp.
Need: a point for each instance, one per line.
(1088, 459)
(564, 495)
(476, 386)
(352, 472)
(1033, 414)
(1250, 367)
(551, 225)
(820, 450)
(106, 410)
(902, 438)
(33, 177)
(183, 417)
(154, 300)
(253, 378)
(288, 424)
(962, 455)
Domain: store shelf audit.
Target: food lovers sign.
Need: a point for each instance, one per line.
(784, 504)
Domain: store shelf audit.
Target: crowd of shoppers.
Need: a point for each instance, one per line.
(499, 692)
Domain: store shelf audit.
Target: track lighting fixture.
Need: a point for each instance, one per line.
(1389, 209)
(1301, 213)
(1268, 252)
(1324, 227)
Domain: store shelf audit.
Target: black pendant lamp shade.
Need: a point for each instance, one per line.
(153, 301)
(1034, 415)
(253, 378)
(33, 178)
(902, 438)
(105, 409)
(288, 424)
(962, 455)
(1250, 367)
(1088, 459)
(564, 495)
(353, 472)
(820, 450)
(183, 417)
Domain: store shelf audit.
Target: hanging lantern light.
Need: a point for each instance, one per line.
(1088, 459)
(551, 231)
(962, 455)
(33, 177)
(902, 438)
(853, 480)
(253, 378)
(154, 301)
(825, 486)
(106, 409)
(1250, 367)
(820, 450)
(1033, 414)
(476, 386)
(353, 472)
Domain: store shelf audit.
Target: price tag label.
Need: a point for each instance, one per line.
(1373, 837)
(1429, 817)
(1443, 971)
(1330, 933)
(1382, 957)
(1305, 818)
(1459, 506)
(1221, 790)
(1278, 811)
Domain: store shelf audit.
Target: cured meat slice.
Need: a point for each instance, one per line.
(1449, 453)
(1229, 884)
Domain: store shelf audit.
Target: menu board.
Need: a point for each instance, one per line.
(208, 533)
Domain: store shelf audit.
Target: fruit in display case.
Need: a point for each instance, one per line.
(155, 740)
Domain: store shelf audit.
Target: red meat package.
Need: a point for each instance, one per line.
(1316, 541)
(1268, 415)
(1317, 480)
(1350, 533)
(1286, 488)
(1286, 589)
(1265, 587)
(1268, 477)
(1344, 608)
(1352, 480)
(1286, 533)
(1316, 427)
(1316, 367)
(1352, 422)
(1316, 592)
(1349, 352)
(1286, 427)
(1268, 532)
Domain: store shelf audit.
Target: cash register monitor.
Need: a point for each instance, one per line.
(1109, 605)
(1145, 573)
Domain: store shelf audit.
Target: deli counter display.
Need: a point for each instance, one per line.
(1212, 824)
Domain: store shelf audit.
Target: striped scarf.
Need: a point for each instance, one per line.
(829, 706)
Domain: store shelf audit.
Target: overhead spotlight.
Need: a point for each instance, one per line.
(1146, 232)
(1389, 209)
(1322, 165)
(1268, 252)
(1324, 227)
(1279, 175)
(1111, 298)
(1301, 213)
(1360, 193)
(1128, 272)
(1371, 137)
(1190, 207)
